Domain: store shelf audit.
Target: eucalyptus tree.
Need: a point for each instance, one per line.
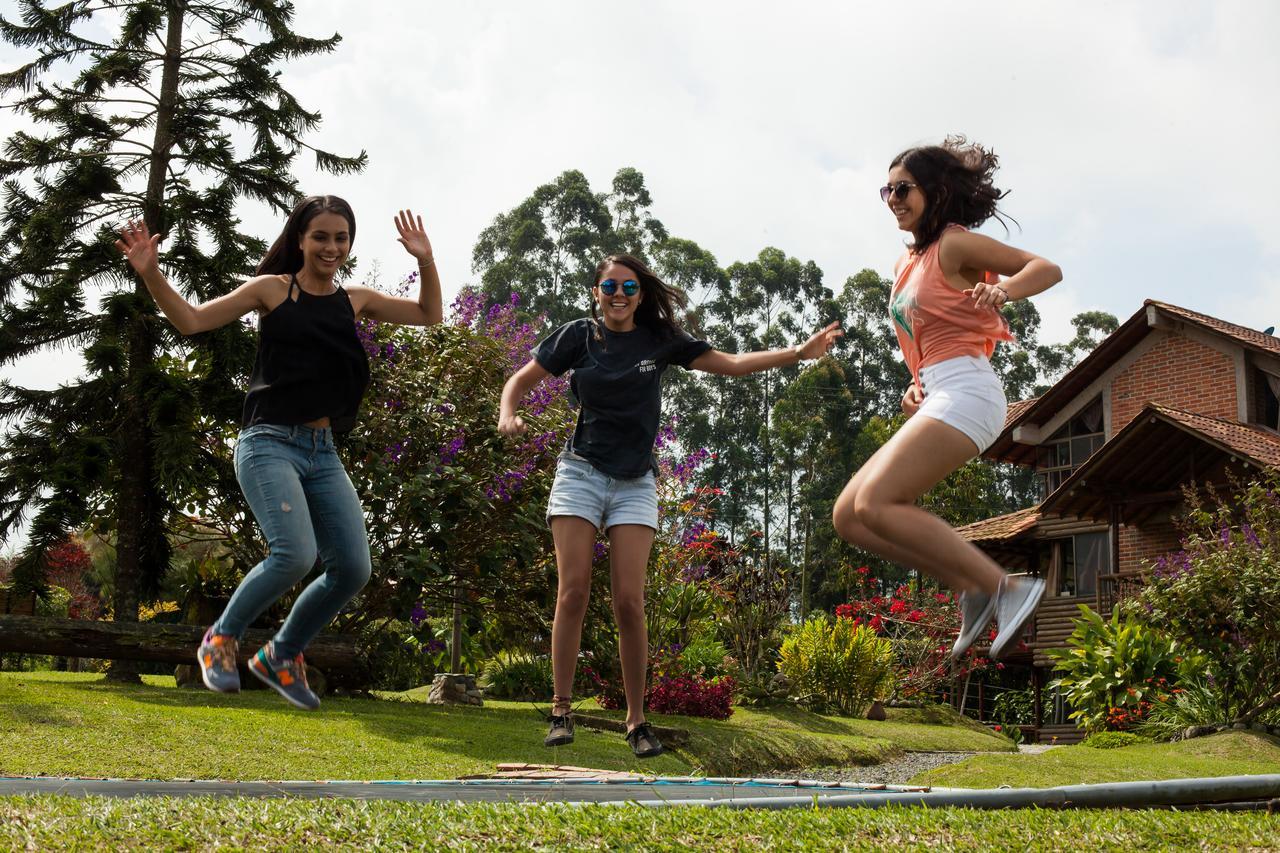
(172, 112)
(546, 248)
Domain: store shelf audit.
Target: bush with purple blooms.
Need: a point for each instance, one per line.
(1220, 594)
(453, 509)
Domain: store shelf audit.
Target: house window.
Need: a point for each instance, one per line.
(1267, 404)
(1068, 448)
(1080, 559)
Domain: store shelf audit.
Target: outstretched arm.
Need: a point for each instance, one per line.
(426, 310)
(521, 383)
(1026, 274)
(740, 364)
(140, 248)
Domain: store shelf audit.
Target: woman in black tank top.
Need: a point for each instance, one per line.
(308, 379)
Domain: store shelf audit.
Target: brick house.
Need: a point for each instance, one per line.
(1170, 398)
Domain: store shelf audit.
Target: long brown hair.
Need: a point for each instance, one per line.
(956, 179)
(657, 310)
(285, 254)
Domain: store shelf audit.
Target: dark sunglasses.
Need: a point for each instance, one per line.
(630, 287)
(898, 190)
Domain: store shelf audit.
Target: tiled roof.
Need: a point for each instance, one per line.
(1248, 337)
(1001, 527)
(1254, 442)
(1016, 410)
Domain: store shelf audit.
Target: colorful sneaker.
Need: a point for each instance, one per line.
(561, 731)
(287, 677)
(217, 659)
(1016, 601)
(644, 743)
(976, 610)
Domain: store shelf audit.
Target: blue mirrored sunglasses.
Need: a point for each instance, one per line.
(630, 287)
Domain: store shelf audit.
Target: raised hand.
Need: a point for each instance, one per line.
(413, 236)
(140, 247)
(820, 342)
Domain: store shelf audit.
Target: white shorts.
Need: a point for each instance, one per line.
(965, 393)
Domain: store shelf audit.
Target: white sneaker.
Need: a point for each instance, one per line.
(1016, 600)
(976, 609)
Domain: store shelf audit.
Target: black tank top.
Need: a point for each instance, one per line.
(310, 363)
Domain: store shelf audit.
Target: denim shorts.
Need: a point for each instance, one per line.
(581, 490)
(965, 393)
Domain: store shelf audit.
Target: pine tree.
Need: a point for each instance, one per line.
(173, 120)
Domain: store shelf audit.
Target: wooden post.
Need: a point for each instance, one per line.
(1037, 699)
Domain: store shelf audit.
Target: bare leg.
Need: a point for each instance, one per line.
(575, 540)
(877, 508)
(629, 546)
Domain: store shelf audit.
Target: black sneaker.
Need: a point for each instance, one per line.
(561, 731)
(644, 743)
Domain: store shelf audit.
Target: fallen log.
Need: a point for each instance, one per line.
(335, 655)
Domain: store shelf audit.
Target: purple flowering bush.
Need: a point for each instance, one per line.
(1220, 594)
(453, 509)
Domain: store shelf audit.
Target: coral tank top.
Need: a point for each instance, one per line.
(933, 320)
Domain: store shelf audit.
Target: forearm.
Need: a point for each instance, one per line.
(429, 300)
(512, 393)
(753, 362)
(1036, 277)
(177, 310)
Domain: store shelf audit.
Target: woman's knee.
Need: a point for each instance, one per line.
(628, 610)
(291, 560)
(869, 511)
(572, 597)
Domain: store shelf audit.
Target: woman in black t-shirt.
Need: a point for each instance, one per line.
(605, 477)
(308, 378)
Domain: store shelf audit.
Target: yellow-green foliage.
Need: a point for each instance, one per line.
(838, 663)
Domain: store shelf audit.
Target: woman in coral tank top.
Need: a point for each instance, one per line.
(945, 305)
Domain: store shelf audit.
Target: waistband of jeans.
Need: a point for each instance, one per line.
(301, 433)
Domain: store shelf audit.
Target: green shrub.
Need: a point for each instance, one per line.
(518, 675)
(837, 663)
(1014, 708)
(1113, 740)
(400, 656)
(1193, 703)
(704, 656)
(1114, 671)
(1221, 595)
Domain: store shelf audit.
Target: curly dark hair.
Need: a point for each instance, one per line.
(956, 179)
(657, 310)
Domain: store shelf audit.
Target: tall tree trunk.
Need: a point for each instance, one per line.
(136, 499)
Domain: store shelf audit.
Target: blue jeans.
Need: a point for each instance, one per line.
(306, 507)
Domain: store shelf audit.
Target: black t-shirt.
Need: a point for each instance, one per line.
(617, 378)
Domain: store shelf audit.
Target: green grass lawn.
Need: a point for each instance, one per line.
(79, 724)
(1230, 753)
(148, 824)
(73, 724)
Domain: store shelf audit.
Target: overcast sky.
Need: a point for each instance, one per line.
(1138, 139)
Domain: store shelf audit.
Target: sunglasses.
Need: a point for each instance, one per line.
(630, 287)
(898, 190)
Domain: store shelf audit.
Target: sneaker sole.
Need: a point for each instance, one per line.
(653, 753)
(983, 620)
(560, 741)
(204, 676)
(1019, 620)
(266, 679)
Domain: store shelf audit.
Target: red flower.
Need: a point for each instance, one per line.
(877, 624)
(862, 570)
(915, 615)
(897, 606)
